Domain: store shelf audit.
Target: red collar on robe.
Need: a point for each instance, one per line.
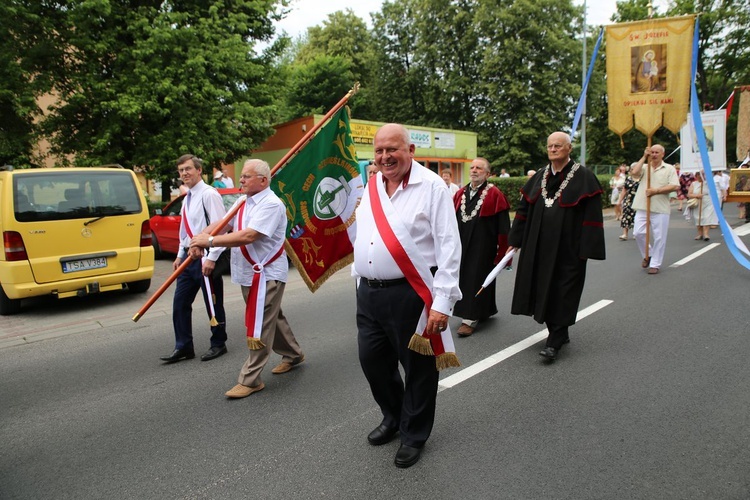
(493, 203)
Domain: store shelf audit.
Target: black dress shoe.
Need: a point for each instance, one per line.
(214, 352)
(549, 352)
(406, 456)
(381, 434)
(179, 354)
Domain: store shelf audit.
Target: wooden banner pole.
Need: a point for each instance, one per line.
(648, 199)
(230, 215)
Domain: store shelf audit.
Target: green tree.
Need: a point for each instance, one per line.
(399, 87)
(315, 87)
(343, 43)
(25, 55)
(146, 81)
(530, 76)
(448, 55)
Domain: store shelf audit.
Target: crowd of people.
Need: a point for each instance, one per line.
(423, 249)
(689, 192)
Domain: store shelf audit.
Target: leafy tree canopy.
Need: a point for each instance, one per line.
(142, 82)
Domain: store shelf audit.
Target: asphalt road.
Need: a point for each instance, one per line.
(648, 401)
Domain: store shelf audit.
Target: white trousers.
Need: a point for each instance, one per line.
(657, 238)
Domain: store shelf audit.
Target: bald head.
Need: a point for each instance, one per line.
(559, 138)
(394, 130)
(558, 149)
(393, 152)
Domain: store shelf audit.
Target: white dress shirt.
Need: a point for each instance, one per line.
(426, 209)
(265, 213)
(202, 196)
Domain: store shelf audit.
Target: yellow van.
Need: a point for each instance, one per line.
(72, 232)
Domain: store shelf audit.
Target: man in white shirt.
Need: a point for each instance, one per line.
(664, 180)
(447, 176)
(201, 206)
(406, 230)
(260, 267)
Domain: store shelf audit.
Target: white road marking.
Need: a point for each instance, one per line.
(695, 255)
(496, 358)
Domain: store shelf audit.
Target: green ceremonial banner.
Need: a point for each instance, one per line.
(321, 188)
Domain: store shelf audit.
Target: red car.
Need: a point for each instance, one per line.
(165, 225)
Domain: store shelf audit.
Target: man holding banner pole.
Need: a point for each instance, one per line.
(260, 267)
(651, 205)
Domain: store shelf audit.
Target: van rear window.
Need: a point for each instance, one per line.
(73, 195)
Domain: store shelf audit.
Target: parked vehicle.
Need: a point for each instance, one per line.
(165, 224)
(72, 232)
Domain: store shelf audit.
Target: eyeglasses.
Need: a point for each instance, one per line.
(248, 176)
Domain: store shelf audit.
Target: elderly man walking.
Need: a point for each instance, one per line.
(658, 179)
(483, 222)
(558, 227)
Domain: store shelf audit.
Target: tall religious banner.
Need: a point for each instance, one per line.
(743, 124)
(648, 74)
(321, 187)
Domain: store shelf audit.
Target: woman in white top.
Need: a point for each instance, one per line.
(617, 182)
(704, 213)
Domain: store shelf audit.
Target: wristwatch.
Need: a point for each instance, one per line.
(210, 242)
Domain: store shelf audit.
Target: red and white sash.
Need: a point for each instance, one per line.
(402, 247)
(206, 279)
(257, 298)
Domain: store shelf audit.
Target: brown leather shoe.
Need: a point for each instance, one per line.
(243, 391)
(653, 270)
(464, 330)
(645, 263)
(284, 367)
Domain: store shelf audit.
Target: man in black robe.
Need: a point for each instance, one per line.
(483, 222)
(558, 226)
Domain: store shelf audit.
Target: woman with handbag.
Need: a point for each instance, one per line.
(703, 212)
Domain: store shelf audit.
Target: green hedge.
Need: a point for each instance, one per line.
(511, 186)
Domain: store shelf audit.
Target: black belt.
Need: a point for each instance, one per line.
(385, 283)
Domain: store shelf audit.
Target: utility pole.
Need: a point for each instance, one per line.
(583, 82)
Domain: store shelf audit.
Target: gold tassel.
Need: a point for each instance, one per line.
(421, 345)
(213, 321)
(447, 360)
(255, 344)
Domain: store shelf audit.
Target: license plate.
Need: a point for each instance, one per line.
(84, 264)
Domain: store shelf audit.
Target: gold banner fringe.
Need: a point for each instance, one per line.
(447, 360)
(213, 321)
(300, 266)
(255, 344)
(421, 345)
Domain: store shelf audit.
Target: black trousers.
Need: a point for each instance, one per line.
(188, 283)
(558, 334)
(386, 320)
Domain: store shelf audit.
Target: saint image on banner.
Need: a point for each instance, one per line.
(708, 133)
(648, 68)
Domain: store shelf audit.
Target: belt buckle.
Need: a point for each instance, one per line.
(376, 283)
